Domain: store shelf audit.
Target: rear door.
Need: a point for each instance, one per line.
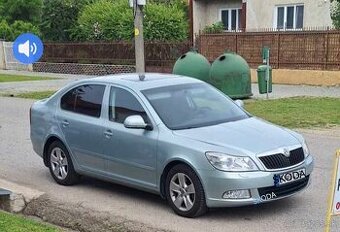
(79, 117)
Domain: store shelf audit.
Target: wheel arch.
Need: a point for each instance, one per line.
(170, 164)
(48, 142)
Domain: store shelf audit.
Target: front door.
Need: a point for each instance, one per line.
(131, 153)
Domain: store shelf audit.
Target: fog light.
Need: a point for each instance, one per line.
(237, 194)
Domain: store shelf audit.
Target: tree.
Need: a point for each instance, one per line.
(335, 13)
(59, 18)
(29, 11)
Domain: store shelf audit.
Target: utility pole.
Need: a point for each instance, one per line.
(139, 35)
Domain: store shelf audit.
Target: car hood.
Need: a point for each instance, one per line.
(248, 136)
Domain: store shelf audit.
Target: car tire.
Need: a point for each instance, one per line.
(60, 164)
(184, 192)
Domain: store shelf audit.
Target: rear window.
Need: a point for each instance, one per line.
(85, 99)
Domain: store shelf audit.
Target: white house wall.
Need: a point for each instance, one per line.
(207, 12)
(261, 13)
(199, 13)
(215, 6)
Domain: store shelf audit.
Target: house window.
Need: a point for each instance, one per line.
(289, 17)
(231, 19)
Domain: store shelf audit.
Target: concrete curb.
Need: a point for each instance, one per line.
(76, 217)
(32, 202)
(20, 197)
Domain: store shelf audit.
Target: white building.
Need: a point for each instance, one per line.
(255, 15)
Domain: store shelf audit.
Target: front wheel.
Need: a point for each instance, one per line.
(184, 192)
(60, 164)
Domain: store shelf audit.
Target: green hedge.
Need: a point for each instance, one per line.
(113, 20)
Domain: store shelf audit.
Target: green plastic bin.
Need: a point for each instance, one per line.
(192, 64)
(230, 73)
(261, 79)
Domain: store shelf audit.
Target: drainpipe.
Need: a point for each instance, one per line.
(191, 22)
(244, 15)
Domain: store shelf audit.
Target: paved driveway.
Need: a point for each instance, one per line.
(305, 212)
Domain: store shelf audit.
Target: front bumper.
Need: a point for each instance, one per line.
(217, 182)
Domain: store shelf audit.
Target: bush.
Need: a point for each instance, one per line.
(5, 31)
(165, 23)
(113, 20)
(105, 20)
(214, 28)
(57, 26)
(19, 27)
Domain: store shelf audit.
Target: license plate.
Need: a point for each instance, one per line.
(289, 177)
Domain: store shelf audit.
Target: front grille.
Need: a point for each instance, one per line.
(278, 161)
(285, 190)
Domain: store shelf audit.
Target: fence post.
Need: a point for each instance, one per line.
(236, 41)
(2, 56)
(278, 49)
(198, 42)
(326, 48)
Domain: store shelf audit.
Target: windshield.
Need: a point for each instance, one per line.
(192, 105)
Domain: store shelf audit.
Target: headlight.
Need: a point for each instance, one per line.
(305, 149)
(230, 163)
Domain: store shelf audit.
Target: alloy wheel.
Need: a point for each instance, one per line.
(59, 163)
(182, 192)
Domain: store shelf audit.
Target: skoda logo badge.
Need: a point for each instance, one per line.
(286, 153)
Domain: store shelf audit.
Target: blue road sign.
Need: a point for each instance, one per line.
(28, 48)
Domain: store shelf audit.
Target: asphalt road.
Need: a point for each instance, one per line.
(304, 212)
(279, 91)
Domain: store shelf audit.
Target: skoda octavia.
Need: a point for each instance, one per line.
(171, 135)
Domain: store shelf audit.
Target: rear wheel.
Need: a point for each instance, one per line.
(184, 192)
(60, 164)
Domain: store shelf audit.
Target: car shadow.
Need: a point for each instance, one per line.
(126, 192)
(247, 213)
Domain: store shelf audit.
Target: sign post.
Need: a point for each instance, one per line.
(334, 193)
(265, 57)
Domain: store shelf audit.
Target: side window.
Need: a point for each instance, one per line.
(85, 99)
(68, 101)
(123, 104)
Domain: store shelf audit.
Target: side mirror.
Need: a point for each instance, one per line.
(240, 103)
(136, 122)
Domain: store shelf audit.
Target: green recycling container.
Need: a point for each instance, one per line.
(192, 64)
(231, 74)
(261, 79)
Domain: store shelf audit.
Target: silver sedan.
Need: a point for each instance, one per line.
(170, 135)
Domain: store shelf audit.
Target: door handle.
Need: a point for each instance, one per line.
(65, 123)
(108, 133)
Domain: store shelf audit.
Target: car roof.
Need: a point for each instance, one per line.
(145, 81)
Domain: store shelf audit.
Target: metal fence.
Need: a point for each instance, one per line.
(85, 69)
(159, 56)
(319, 50)
(10, 62)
